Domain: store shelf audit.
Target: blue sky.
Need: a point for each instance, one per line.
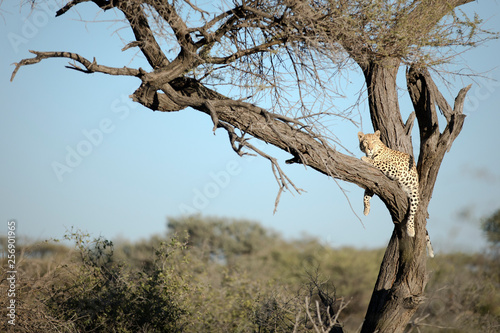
(136, 167)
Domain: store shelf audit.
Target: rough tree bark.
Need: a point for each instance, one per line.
(402, 278)
(400, 285)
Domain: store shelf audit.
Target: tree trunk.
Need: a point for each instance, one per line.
(399, 288)
(402, 277)
(383, 102)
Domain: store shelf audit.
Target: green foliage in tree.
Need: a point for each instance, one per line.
(491, 227)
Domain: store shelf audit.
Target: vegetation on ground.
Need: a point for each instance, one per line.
(223, 275)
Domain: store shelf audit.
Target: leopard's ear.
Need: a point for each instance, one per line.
(377, 133)
(360, 136)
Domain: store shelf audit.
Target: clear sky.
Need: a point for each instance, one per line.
(128, 168)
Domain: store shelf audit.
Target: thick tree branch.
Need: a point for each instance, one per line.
(435, 95)
(134, 14)
(176, 23)
(150, 98)
(184, 92)
(409, 123)
(433, 144)
(380, 77)
(147, 43)
(455, 120)
(423, 101)
(103, 4)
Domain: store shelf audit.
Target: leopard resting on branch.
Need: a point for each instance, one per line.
(397, 166)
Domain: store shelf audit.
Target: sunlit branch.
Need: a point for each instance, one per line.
(90, 66)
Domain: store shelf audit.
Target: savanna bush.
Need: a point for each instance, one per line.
(223, 275)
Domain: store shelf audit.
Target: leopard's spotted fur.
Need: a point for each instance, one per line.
(394, 164)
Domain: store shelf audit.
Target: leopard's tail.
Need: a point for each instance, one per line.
(410, 225)
(366, 201)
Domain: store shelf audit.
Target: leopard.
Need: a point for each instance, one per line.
(397, 166)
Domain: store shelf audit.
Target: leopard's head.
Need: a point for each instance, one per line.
(370, 144)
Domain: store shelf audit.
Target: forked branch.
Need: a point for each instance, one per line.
(425, 97)
(325, 325)
(282, 179)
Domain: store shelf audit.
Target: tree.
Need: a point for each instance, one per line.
(267, 48)
(491, 228)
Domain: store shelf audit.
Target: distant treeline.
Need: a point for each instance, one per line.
(224, 275)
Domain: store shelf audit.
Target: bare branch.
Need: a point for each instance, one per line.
(409, 123)
(316, 328)
(71, 4)
(217, 19)
(242, 53)
(201, 11)
(134, 13)
(438, 98)
(281, 178)
(176, 23)
(318, 314)
(297, 321)
(131, 45)
(458, 106)
(321, 325)
(213, 114)
(233, 138)
(456, 121)
(91, 67)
